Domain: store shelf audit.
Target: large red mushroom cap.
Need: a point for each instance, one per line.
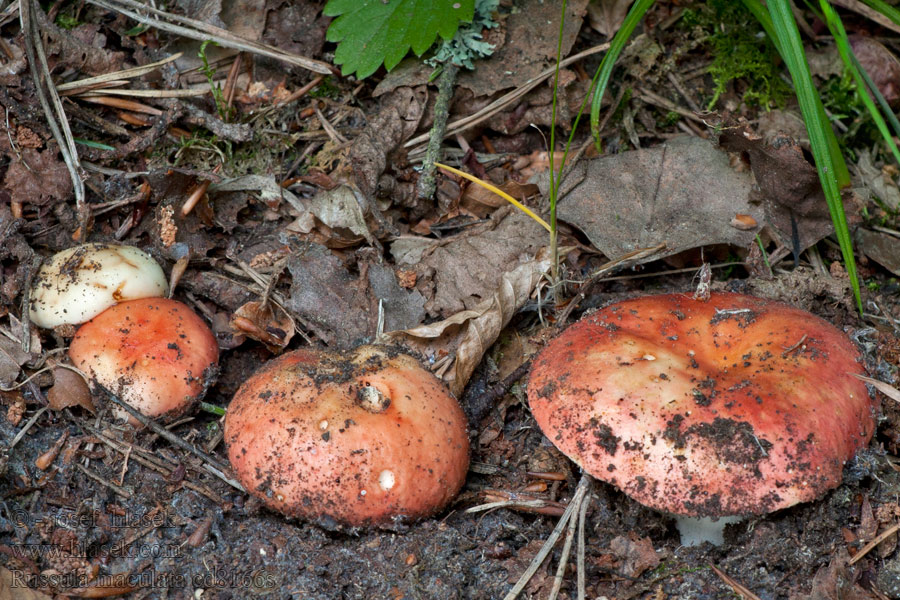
(357, 439)
(155, 354)
(732, 406)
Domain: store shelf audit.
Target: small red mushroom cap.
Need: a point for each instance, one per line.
(732, 406)
(155, 354)
(358, 439)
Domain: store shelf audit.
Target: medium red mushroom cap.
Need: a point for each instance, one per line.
(357, 439)
(732, 406)
(155, 354)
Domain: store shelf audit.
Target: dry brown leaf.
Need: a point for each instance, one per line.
(457, 273)
(11, 360)
(69, 389)
(883, 248)
(788, 185)
(469, 333)
(606, 16)
(266, 323)
(637, 554)
(683, 193)
(880, 64)
(44, 180)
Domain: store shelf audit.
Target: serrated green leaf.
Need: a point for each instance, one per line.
(372, 32)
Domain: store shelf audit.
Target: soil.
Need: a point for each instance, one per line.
(124, 512)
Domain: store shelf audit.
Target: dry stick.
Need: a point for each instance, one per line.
(500, 103)
(124, 492)
(215, 467)
(40, 73)
(870, 13)
(427, 183)
(737, 587)
(567, 548)
(871, 545)
(582, 489)
(198, 30)
(579, 561)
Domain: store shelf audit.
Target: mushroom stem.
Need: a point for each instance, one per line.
(697, 530)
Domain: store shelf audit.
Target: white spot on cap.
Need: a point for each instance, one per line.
(323, 425)
(386, 480)
(362, 492)
(648, 357)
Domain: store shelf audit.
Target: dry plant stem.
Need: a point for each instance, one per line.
(567, 549)
(737, 587)
(26, 427)
(574, 504)
(500, 103)
(871, 545)
(427, 183)
(579, 560)
(198, 30)
(217, 468)
(116, 76)
(40, 73)
(122, 491)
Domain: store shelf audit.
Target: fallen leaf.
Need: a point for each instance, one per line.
(69, 389)
(264, 322)
(11, 360)
(835, 582)
(459, 272)
(44, 180)
(327, 297)
(468, 334)
(637, 554)
(606, 16)
(877, 181)
(402, 308)
(880, 64)
(883, 248)
(788, 185)
(683, 193)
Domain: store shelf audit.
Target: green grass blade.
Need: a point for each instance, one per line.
(882, 101)
(840, 166)
(886, 9)
(601, 79)
(852, 65)
(785, 28)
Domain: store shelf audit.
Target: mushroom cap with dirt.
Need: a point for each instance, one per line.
(367, 437)
(731, 406)
(155, 354)
(77, 284)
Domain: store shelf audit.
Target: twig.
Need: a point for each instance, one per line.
(217, 468)
(40, 72)
(575, 503)
(427, 183)
(500, 103)
(871, 545)
(737, 587)
(26, 427)
(122, 491)
(198, 30)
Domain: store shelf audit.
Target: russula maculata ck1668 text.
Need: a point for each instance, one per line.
(368, 437)
(733, 406)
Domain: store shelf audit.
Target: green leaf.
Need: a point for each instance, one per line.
(372, 32)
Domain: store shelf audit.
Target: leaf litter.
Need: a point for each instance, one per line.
(282, 256)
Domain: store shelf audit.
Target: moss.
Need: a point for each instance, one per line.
(741, 52)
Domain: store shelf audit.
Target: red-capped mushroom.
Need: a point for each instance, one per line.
(155, 354)
(365, 438)
(728, 407)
